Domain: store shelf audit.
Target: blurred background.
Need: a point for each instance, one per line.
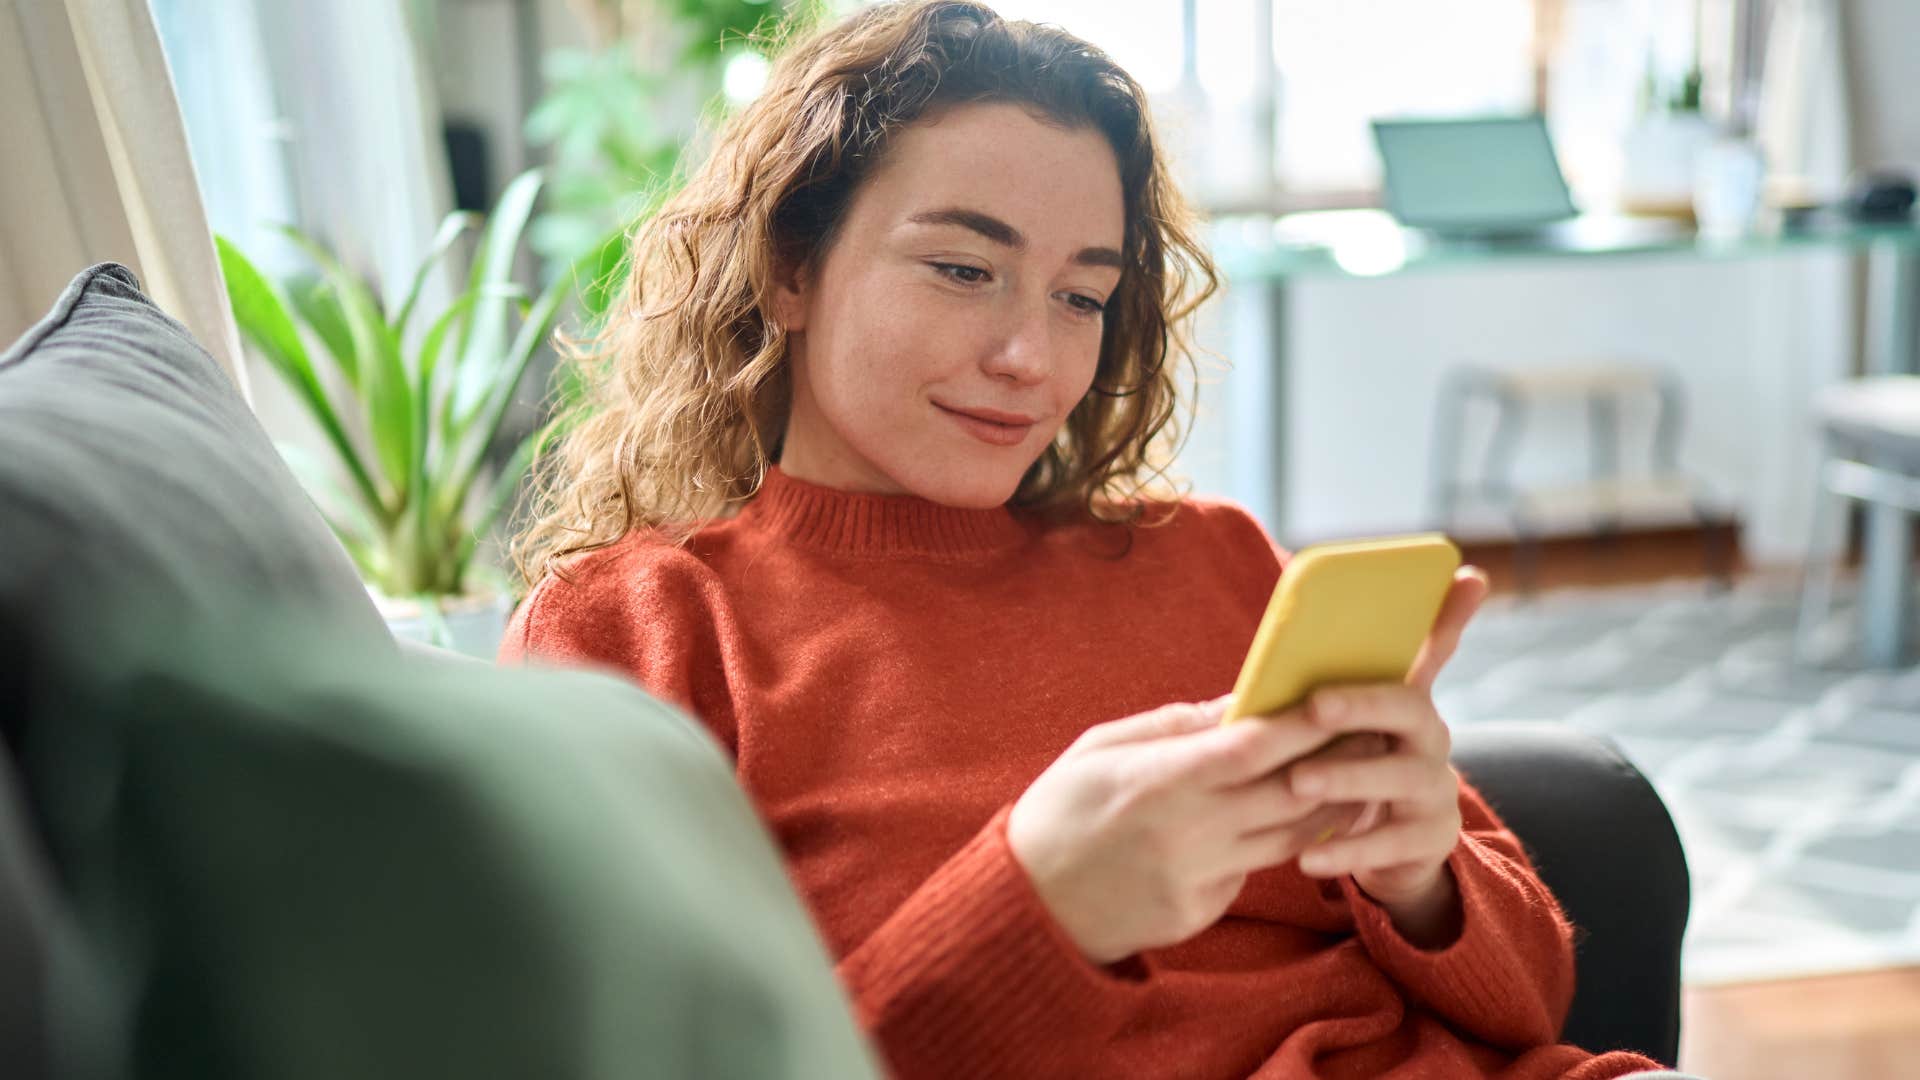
(364, 123)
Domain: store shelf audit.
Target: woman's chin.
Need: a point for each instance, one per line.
(981, 490)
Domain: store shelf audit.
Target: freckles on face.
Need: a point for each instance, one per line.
(956, 321)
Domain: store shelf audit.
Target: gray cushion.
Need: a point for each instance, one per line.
(127, 456)
(296, 855)
(28, 912)
(126, 459)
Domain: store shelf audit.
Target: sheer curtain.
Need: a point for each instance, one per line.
(1803, 120)
(98, 169)
(317, 115)
(1804, 116)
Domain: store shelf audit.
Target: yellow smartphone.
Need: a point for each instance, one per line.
(1349, 612)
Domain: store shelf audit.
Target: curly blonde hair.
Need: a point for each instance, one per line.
(687, 381)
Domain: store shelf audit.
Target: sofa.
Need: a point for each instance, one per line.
(244, 832)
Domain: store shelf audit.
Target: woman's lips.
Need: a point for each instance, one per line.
(986, 430)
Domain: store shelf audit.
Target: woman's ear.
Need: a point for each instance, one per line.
(790, 297)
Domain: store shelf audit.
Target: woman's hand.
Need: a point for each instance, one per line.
(1400, 861)
(1142, 833)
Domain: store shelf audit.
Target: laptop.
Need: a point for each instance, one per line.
(1481, 178)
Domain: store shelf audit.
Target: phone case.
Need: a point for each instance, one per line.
(1356, 611)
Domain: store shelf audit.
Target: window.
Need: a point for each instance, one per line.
(1340, 63)
(1143, 36)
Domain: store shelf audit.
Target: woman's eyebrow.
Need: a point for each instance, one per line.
(1006, 235)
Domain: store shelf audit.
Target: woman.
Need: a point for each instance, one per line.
(864, 487)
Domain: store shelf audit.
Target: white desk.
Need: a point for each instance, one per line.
(1261, 255)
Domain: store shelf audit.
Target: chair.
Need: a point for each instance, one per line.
(1613, 859)
(1609, 497)
(1870, 435)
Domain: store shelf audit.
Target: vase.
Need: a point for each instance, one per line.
(1661, 158)
(471, 624)
(1729, 180)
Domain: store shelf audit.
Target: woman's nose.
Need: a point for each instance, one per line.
(1024, 349)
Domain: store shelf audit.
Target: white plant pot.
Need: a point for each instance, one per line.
(472, 624)
(1662, 153)
(1729, 183)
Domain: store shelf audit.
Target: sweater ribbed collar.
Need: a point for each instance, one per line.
(856, 523)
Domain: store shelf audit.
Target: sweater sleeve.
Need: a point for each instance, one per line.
(972, 976)
(1507, 979)
(655, 617)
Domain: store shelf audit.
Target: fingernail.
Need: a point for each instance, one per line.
(1329, 707)
(1314, 862)
(1308, 784)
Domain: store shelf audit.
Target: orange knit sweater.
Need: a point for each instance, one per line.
(890, 674)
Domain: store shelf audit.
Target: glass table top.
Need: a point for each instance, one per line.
(1370, 243)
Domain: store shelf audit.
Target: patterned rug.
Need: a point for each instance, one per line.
(1795, 789)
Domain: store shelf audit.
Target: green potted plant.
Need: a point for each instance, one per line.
(1660, 153)
(618, 113)
(409, 427)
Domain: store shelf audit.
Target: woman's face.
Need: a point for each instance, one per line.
(967, 277)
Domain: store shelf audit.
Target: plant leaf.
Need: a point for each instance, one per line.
(427, 363)
(314, 298)
(500, 497)
(608, 266)
(467, 453)
(484, 332)
(384, 392)
(450, 229)
(427, 360)
(261, 314)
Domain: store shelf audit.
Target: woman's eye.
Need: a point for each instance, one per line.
(959, 272)
(1086, 304)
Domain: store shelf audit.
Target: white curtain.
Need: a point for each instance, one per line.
(1803, 120)
(98, 168)
(1805, 306)
(320, 115)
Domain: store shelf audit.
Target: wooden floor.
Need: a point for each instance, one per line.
(1837, 1027)
(1841, 1027)
(1610, 560)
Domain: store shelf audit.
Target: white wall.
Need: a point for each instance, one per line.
(1884, 39)
(1748, 339)
(477, 64)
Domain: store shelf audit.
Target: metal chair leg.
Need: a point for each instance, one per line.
(1527, 541)
(1449, 423)
(1603, 432)
(1666, 432)
(1717, 549)
(1818, 573)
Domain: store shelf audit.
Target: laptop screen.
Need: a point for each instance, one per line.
(1476, 173)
